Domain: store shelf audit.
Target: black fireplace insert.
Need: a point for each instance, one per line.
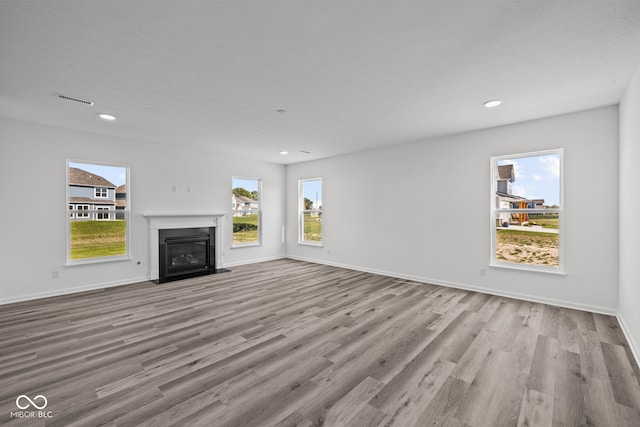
(186, 252)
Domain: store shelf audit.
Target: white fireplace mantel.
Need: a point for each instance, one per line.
(167, 220)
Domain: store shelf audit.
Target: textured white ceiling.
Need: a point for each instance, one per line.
(352, 75)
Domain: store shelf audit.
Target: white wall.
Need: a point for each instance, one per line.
(33, 215)
(629, 300)
(421, 210)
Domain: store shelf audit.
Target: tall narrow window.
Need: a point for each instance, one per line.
(310, 209)
(527, 211)
(246, 195)
(97, 220)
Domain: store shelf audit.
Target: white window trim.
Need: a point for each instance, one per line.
(126, 212)
(100, 211)
(84, 212)
(302, 211)
(98, 195)
(248, 211)
(493, 262)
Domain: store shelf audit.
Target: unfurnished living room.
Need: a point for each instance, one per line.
(320, 213)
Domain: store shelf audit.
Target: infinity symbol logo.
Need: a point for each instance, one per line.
(31, 402)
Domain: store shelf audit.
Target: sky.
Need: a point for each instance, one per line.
(247, 184)
(114, 174)
(537, 177)
(312, 190)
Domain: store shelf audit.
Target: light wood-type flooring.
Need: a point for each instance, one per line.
(289, 343)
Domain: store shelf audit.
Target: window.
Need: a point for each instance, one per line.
(310, 209)
(78, 211)
(95, 232)
(246, 195)
(101, 193)
(101, 214)
(527, 211)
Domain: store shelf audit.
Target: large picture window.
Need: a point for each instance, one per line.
(310, 211)
(246, 195)
(98, 212)
(527, 211)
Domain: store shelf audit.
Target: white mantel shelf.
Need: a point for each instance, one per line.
(166, 220)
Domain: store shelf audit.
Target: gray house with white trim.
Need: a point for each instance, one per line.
(91, 197)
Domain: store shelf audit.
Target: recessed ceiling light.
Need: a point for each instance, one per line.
(492, 103)
(284, 152)
(105, 116)
(281, 111)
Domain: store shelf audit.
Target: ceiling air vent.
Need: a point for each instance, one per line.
(71, 98)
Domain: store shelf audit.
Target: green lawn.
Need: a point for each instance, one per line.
(94, 239)
(245, 229)
(545, 222)
(312, 228)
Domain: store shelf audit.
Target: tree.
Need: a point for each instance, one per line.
(239, 191)
(308, 204)
(254, 195)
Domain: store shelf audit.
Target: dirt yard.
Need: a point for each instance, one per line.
(525, 247)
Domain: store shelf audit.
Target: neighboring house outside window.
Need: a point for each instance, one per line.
(96, 231)
(121, 201)
(527, 211)
(246, 199)
(310, 211)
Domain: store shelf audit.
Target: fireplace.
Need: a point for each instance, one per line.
(186, 252)
(184, 245)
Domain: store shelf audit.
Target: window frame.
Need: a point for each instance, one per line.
(101, 212)
(92, 214)
(102, 194)
(259, 212)
(302, 212)
(79, 210)
(494, 211)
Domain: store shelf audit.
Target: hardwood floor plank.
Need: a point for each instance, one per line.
(506, 402)
(624, 384)
(537, 410)
(442, 408)
(475, 356)
(473, 407)
(346, 410)
(567, 333)
(600, 407)
(608, 329)
(550, 321)
(542, 377)
(568, 400)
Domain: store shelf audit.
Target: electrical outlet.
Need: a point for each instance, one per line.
(55, 274)
(483, 272)
(173, 188)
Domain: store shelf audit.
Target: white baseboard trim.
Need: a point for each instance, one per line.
(67, 291)
(491, 291)
(95, 286)
(253, 261)
(635, 350)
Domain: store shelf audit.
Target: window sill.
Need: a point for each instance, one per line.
(319, 245)
(89, 261)
(529, 268)
(247, 245)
